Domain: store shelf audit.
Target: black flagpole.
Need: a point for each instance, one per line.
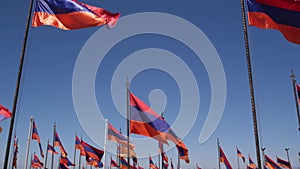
(295, 95)
(11, 127)
(251, 85)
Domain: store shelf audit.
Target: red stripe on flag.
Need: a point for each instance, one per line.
(284, 4)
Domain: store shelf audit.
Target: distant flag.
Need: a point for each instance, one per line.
(71, 14)
(113, 163)
(51, 149)
(165, 160)
(79, 146)
(298, 92)
(93, 162)
(252, 165)
(223, 159)
(124, 163)
(35, 136)
(57, 142)
(114, 135)
(16, 150)
(4, 113)
(281, 15)
(151, 163)
(36, 163)
(284, 163)
(144, 121)
(270, 163)
(65, 161)
(92, 152)
(239, 154)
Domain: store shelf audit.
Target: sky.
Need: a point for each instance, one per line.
(184, 58)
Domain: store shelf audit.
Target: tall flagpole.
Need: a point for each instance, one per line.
(46, 158)
(105, 142)
(11, 126)
(75, 151)
(251, 85)
(79, 163)
(54, 131)
(238, 161)
(28, 142)
(218, 143)
(295, 95)
(178, 161)
(128, 121)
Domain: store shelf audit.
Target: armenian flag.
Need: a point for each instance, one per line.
(114, 135)
(51, 149)
(252, 164)
(270, 163)
(284, 163)
(223, 159)
(36, 163)
(4, 113)
(57, 142)
(71, 14)
(35, 136)
(239, 154)
(92, 152)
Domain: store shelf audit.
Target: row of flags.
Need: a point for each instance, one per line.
(268, 162)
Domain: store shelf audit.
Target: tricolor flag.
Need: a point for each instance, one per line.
(35, 136)
(93, 162)
(113, 163)
(57, 142)
(114, 135)
(281, 15)
(239, 154)
(284, 163)
(151, 163)
(252, 165)
(223, 159)
(92, 152)
(79, 146)
(51, 149)
(4, 113)
(65, 161)
(124, 163)
(71, 14)
(298, 92)
(36, 163)
(165, 160)
(270, 163)
(144, 121)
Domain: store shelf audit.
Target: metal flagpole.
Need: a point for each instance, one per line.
(178, 161)
(218, 153)
(287, 154)
(46, 158)
(54, 131)
(263, 154)
(105, 142)
(295, 95)
(28, 143)
(254, 118)
(79, 165)
(11, 126)
(75, 151)
(128, 121)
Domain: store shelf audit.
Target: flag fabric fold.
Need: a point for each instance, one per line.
(223, 159)
(4, 113)
(251, 165)
(36, 163)
(284, 163)
(57, 142)
(71, 15)
(78, 146)
(144, 121)
(51, 149)
(35, 136)
(270, 163)
(281, 15)
(65, 161)
(92, 152)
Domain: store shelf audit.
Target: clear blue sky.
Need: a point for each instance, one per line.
(51, 56)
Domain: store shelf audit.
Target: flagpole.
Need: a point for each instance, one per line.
(28, 142)
(8, 144)
(218, 153)
(79, 165)
(251, 85)
(238, 161)
(159, 154)
(54, 130)
(46, 158)
(295, 95)
(105, 142)
(178, 161)
(75, 151)
(128, 121)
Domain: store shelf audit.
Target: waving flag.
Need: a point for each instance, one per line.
(113, 163)
(124, 163)
(239, 154)
(165, 160)
(79, 146)
(151, 163)
(36, 163)
(270, 163)
(252, 165)
(4, 113)
(57, 142)
(71, 14)
(16, 151)
(284, 163)
(114, 135)
(281, 15)
(298, 92)
(223, 159)
(51, 149)
(35, 136)
(65, 161)
(144, 121)
(92, 152)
